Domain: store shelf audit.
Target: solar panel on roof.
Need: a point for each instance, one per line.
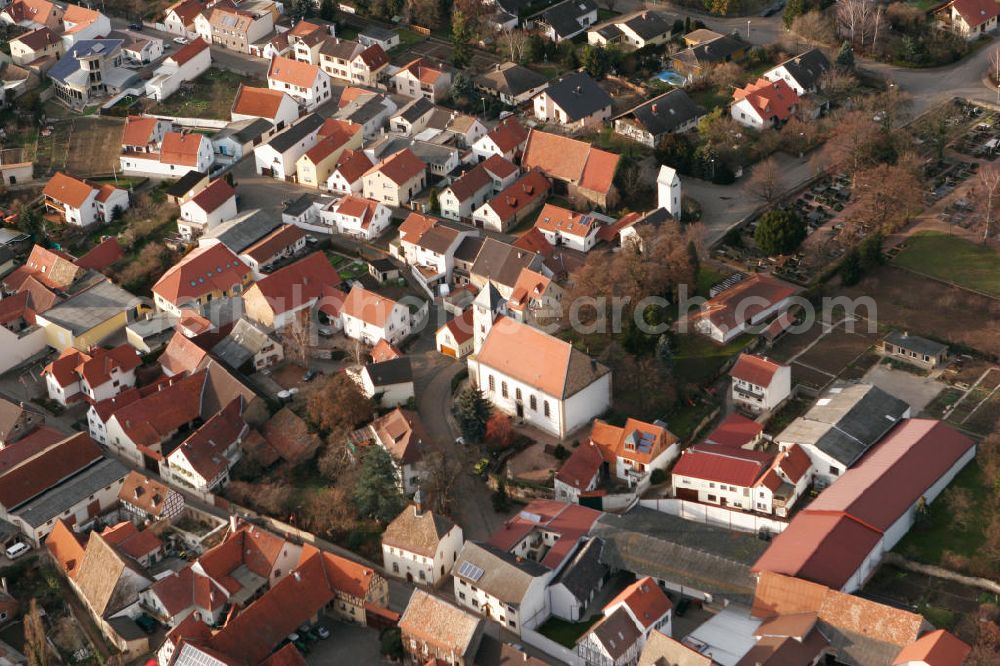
(470, 571)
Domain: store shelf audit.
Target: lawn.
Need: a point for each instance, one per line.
(711, 98)
(565, 633)
(929, 539)
(208, 96)
(697, 359)
(953, 259)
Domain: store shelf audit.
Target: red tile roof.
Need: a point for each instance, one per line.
(735, 430)
(182, 356)
(294, 285)
(63, 368)
(290, 436)
(102, 255)
(754, 369)
(352, 165)
(202, 271)
(794, 463)
(30, 477)
(155, 417)
(98, 368)
(937, 648)
(260, 102)
(582, 465)
(461, 327)
(414, 226)
(374, 57)
(139, 130)
(52, 268)
(756, 294)
(400, 167)
(66, 548)
(205, 449)
(39, 39)
(186, 10)
(213, 196)
(280, 239)
(469, 183)
(570, 160)
(508, 135)
(126, 538)
(189, 51)
(522, 193)
(145, 493)
(384, 351)
(772, 100)
(368, 306)
(402, 434)
(976, 12)
(556, 219)
(181, 148)
(68, 190)
(645, 599)
(357, 207)
(568, 521)
(294, 72)
(723, 464)
(105, 408)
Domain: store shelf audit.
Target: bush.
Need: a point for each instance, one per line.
(779, 231)
(561, 452)
(501, 502)
(391, 643)
(657, 477)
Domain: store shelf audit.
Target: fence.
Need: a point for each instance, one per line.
(197, 123)
(551, 648)
(715, 515)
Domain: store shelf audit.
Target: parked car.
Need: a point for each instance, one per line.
(323, 632)
(310, 375)
(326, 332)
(311, 240)
(460, 440)
(17, 550)
(135, 26)
(480, 467)
(181, 40)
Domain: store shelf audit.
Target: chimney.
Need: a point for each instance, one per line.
(654, 108)
(298, 578)
(233, 522)
(418, 503)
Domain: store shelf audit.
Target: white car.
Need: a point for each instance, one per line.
(17, 550)
(181, 40)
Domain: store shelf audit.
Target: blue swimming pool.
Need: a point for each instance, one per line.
(671, 77)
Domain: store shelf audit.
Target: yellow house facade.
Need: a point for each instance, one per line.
(314, 168)
(90, 317)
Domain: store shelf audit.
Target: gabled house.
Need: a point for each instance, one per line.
(236, 28)
(185, 65)
(628, 621)
(804, 72)
(420, 545)
(205, 274)
(968, 18)
(306, 83)
(511, 83)
(79, 203)
(284, 242)
(760, 385)
(471, 190)
(390, 381)
(147, 501)
(538, 378)
(278, 158)
(636, 30)
(764, 104)
(562, 226)
(434, 630)
(179, 17)
(275, 300)
(334, 137)
(81, 23)
(514, 203)
(17, 421)
(507, 140)
(34, 14)
(566, 19)
(305, 39)
(348, 171)
(419, 78)
(574, 101)
(584, 173)
(36, 47)
(357, 217)
(403, 436)
(248, 347)
(203, 460)
(371, 317)
(934, 648)
(95, 376)
(411, 118)
(368, 109)
(354, 63)
(176, 155)
(740, 307)
(702, 55)
(455, 338)
(396, 179)
(652, 120)
(275, 106)
(207, 209)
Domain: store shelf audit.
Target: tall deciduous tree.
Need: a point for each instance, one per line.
(376, 494)
(336, 403)
(885, 197)
(989, 197)
(472, 411)
(766, 183)
(439, 477)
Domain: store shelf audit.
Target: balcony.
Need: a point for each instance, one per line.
(748, 392)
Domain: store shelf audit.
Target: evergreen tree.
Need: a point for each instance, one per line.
(850, 268)
(870, 251)
(326, 10)
(779, 231)
(693, 257)
(461, 37)
(793, 9)
(376, 494)
(472, 411)
(567, 55)
(595, 61)
(845, 57)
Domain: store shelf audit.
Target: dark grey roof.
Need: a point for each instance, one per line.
(296, 132)
(387, 373)
(247, 130)
(300, 205)
(382, 265)
(916, 343)
(363, 112)
(92, 307)
(127, 628)
(682, 552)
(469, 248)
(244, 230)
(375, 32)
(515, 7)
(609, 31)
(241, 345)
(617, 633)
(650, 24)
(862, 426)
(429, 153)
(585, 571)
(664, 114)
(54, 501)
(436, 240)
(564, 18)
(502, 263)
(715, 50)
(807, 68)
(416, 109)
(344, 49)
(183, 185)
(511, 79)
(578, 95)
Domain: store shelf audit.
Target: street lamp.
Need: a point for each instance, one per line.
(748, 29)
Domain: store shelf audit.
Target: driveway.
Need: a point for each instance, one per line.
(916, 390)
(347, 644)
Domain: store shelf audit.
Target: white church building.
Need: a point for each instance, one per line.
(668, 191)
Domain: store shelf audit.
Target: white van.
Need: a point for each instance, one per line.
(17, 550)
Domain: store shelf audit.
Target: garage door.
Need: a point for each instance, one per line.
(448, 351)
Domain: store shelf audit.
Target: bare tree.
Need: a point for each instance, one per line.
(995, 65)
(859, 21)
(440, 474)
(36, 647)
(296, 337)
(765, 183)
(514, 41)
(989, 179)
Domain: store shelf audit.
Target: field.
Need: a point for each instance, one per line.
(953, 259)
(818, 356)
(85, 146)
(209, 96)
(909, 301)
